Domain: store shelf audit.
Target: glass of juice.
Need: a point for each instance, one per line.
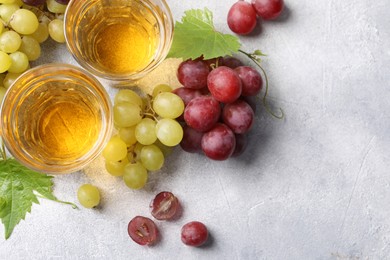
(120, 40)
(56, 118)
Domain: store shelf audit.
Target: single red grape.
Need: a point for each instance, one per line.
(202, 113)
(193, 74)
(194, 233)
(251, 80)
(242, 18)
(164, 206)
(219, 142)
(224, 84)
(268, 9)
(192, 140)
(142, 230)
(238, 116)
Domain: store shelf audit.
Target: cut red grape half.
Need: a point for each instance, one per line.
(164, 206)
(194, 233)
(142, 230)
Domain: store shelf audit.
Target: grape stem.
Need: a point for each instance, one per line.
(74, 206)
(256, 59)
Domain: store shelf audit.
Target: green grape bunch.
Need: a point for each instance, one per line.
(147, 130)
(24, 25)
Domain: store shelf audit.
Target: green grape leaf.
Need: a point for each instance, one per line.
(195, 36)
(19, 188)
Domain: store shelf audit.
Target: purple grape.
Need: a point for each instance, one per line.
(251, 80)
(192, 140)
(238, 116)
(193, 74)
(231, 62)
(219, 143)
(187, 94)
(202, 113)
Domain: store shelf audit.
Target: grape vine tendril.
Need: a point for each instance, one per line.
(255, 57)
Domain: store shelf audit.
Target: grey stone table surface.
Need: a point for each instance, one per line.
(315, 185)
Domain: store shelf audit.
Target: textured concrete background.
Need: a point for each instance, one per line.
(313, 186)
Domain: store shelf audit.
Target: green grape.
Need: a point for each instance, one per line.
(135, 176)
(169, 132)
(145, 131)
(56, 30)
(30, 47)
(1, 26)
(168, 105)
(88, 196)
(137, 151)
(152, 158)
(115, 149)
(127, 134)
(116, 168)
(5, 62)
(127, 114)
(55, 7)
(161, 88)
(18, 2)
(42, 33)
(7, 10)
(127, 95)
(10, 78)
(19, 62)
(24, 21)
(10, 41)
(2, 93)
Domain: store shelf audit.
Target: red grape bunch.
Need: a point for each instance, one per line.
(218, 112)
(242, 16)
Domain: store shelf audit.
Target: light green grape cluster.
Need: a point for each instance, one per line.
(23, 28)
(147, 130)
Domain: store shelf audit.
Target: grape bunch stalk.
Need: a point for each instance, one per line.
(24, 25)
(147, 129)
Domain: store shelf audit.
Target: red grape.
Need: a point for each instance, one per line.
(268, 9)
(219, 142)
(251, 80)
(187, 94)
(242, 18)
(202, 113)
(231, 62)
(193, 74)
(194, 233)
(142, 230)
(241, 144)
(164, 206)
(34, 2)
(224, 84)
(192, 140)
(238, 116)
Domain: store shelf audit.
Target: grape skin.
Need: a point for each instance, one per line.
(142, 230)
(88, 196)
(194, 233)
(164, 206)
(242, 18)
(224, 84)
(268, 9)
(219, 143)
(192, 140)
(193, 74)
(239, 116)
(202, 113)
(252, 82)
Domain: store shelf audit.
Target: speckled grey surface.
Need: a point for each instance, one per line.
(313, 186)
